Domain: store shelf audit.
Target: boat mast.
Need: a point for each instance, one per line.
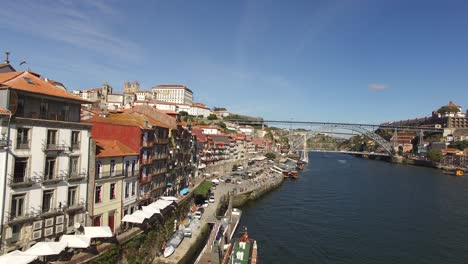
(305, 153)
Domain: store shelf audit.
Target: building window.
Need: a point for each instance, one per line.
(75, 140)
(44, 110)
(71, 219)
(133, 188)
(16, 232)
(73, 168)
(17, 205)
(112, 168)
(112, 191)
(47, 197)
(72, 196)
(127, 168)
(133, 167)
(51, 138)
(65, 113)
(98, 194)
(22, 138)
(98, 169)
(49, 170)
(97, 221)
(20, 172)
(127, 189)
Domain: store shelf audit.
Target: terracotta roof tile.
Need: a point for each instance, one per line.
(112, 148)
(31, 82)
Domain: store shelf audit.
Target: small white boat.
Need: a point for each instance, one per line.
(169, 251)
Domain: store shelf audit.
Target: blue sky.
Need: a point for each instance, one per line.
(350, 61)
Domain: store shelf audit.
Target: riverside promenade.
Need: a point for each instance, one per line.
(248, 189)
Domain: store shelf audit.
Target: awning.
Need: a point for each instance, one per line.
(161, 204)
(145, 214)
(17, 257)
(133, 219)
(184, 191)
(76, 241)
(97, 231)
(150, 210)
(46, 248)
(169, 198)
(169, 184)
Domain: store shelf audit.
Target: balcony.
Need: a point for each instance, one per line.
(51, 179)
(48, 212)
(160, 156)
(22, 144)
(147, 161)
(161, 141)
(20, 181)
(4, 143)
(74, 207)
(23, 217)
(107, 174)
(55, 148)
(147, 143)
(75, 176)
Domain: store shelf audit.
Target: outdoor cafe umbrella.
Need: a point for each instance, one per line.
(133, 219)
(46, 248)
(76, 241)
(17, 257)
(184, 191)
(169, 198)
(97, 231)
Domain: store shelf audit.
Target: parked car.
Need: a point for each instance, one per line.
(213, 187)
(240, 168)
(205, 204)
(228, 180)
(212, 198)
(199, 213)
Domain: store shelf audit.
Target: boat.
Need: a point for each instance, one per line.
(455, 172)
(300, 165)
(243, 250)
(293, 174)
(173, 243)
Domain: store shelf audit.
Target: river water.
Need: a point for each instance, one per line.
(345, 209)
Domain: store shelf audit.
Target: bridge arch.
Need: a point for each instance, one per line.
(362, 131)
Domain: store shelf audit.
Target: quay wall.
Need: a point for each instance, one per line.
(241, 198)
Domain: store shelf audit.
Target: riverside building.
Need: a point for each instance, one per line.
(44, 161)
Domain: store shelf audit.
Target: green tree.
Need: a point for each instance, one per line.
(212, 117)
(270, 155)
(222, 125)
(435, 155)
(461, 145)
(448, 109)
(183, 113)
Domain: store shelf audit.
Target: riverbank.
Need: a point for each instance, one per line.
(241, 193)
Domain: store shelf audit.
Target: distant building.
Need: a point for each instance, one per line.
(173, 93)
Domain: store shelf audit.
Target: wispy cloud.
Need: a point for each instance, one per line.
(377, 87)
(83, 24)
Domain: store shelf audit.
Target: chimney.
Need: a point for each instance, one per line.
(7, 54)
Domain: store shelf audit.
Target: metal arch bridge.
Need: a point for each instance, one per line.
(350, 152)
(367, 130)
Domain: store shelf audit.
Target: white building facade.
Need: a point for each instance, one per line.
(47, 163)
(178, 94)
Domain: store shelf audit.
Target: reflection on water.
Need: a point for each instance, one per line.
(365, 212)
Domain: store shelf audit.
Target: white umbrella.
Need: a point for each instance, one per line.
(97, 231)
(76, 241)
(161, 204)
(169, 198)
(133, 219)
(144, 214)
(17, 257)
(150, 209)
(46, 248)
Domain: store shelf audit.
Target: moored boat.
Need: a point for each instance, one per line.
(173, 243)
(243, 250)
(293, 174)
(456, 172)
(300, 165)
